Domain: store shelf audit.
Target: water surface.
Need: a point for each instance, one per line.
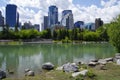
(19, 57)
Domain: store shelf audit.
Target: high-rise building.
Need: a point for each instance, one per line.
(79, 24)
(11, 15)
(1, 19)
(67, 19)
(98, 23)
(41, 27)
(45, 22)
(18, 24)
(90, 26)
(52, 16)
(37, 27)
(28, 25)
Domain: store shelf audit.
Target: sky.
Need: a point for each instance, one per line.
(83, 10)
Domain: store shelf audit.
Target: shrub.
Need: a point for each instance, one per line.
(90, 74)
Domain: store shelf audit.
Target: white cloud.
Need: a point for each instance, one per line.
(34, 10)
(109, 3)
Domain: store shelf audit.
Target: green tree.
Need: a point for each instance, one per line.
(102, 31)
(54, 36)
(90, 36)
(114, 33)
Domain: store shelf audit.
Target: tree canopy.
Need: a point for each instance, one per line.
(114, 33)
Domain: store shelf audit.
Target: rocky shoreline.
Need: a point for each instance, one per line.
(75, 69)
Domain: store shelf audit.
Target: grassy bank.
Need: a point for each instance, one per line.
(10, 42)
(112, 72)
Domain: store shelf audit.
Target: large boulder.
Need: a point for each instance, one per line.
(84, 72)
(102, 61)
(108, 59)
(70, 67)
(2, 74)
(48, 66)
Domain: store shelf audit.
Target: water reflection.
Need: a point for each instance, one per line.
(20, 57)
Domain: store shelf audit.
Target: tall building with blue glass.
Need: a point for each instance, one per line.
(11, 15)
(67, 19)
(52, 16)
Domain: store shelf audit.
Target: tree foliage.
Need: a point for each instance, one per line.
(114, 33)
(56, 34)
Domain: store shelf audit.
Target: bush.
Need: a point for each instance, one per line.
(66, 40)
(90, 74)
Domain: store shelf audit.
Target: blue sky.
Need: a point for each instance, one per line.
(83, 10)
(87, 2)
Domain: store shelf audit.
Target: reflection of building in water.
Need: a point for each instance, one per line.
(18, 58)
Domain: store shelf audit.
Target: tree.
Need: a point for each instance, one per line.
(102, 31)
(54, 36)
(16, 28)
(114, 33)
(90, 36)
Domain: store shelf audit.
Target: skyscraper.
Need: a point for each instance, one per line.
(67, 19)
(52, 16)
(45, 22)
(98, 23)
(1, 19)
(11, 15)
(18, 24)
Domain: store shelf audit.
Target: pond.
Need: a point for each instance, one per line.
(19, 57)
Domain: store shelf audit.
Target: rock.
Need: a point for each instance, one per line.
(2, 75)
(30, 73)
(70, 67)
(117, 57)
(79, 63)
(118, 61)
(108, 59)
(94, 60)
(84, 72)
(48, 66)
(59, 68)
(102, 61)
(117, 54)
(27, 70)
(92, 64)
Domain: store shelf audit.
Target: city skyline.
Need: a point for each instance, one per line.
(82, 10)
